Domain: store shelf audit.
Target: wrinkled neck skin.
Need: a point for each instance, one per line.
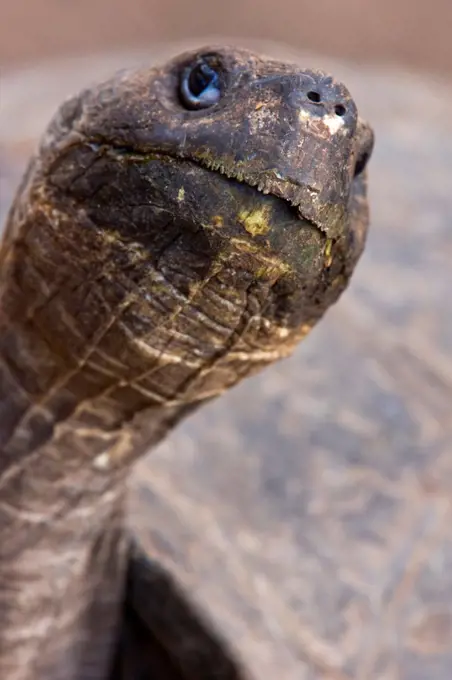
(72, 419)
(129, 295)
(82, 395)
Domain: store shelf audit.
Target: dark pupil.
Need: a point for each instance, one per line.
(200, 78)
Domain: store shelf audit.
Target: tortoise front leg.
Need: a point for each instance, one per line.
(163, 636)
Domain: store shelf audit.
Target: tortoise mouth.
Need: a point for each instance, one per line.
(176, 201)
(265, 184)
(268, 182)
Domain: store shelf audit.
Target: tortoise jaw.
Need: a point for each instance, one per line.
(269, 182)
(329, 218)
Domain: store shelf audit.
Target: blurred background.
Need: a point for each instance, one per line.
(413, 34)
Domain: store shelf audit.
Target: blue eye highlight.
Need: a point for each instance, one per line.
(200, 86)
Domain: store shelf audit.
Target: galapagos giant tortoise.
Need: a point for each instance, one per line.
(301, 526)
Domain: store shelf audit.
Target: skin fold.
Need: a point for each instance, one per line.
(158, 252)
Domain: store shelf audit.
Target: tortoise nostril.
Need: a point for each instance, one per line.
(316, 98)
(313, 96)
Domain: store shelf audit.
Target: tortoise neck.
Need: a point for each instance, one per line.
(66, 448)
(67, 442)
(63, 553)
(101, 353)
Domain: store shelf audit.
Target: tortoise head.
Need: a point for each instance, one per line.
(225, 160)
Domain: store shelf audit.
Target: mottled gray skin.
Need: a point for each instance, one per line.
(153, 258)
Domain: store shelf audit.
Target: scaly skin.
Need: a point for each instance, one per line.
(154, 257)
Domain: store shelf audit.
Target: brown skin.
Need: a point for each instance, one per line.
(154, 257)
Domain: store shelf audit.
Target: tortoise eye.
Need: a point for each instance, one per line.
(200, 86)
(361, 162)
(365, 143)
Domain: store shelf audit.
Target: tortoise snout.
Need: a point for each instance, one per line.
(322, 96)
